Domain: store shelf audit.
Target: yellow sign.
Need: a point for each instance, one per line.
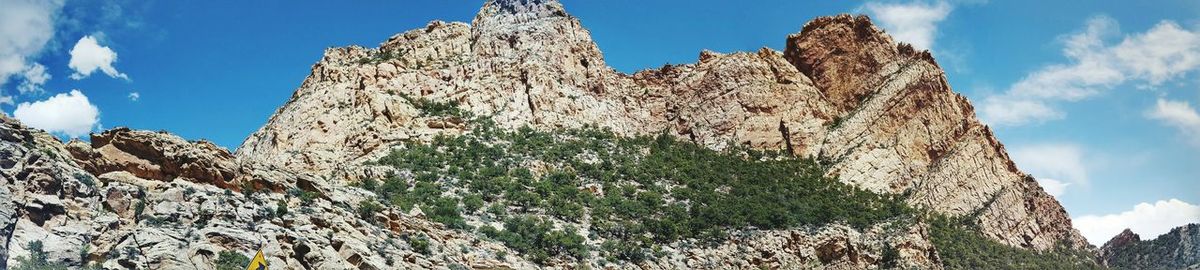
(258, 263)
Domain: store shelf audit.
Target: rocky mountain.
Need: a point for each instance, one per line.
(881, 114)
(375, 163)
(1178, 249)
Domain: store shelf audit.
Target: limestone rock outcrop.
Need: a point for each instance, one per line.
(155, 155)
(178, 219)
(881, 114)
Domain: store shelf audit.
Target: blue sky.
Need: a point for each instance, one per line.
(1096, 98)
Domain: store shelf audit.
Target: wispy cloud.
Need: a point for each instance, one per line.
(1161, 54)
(134, 96)
(34, 77)
(1056, 166)
(913, 23)
(70, 114)
(1180, 115)
(88, 56)
(1146, 219)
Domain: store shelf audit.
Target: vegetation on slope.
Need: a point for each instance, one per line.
(961, 246)
(636, 194)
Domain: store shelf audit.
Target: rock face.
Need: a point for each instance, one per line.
(1178, 249)
(880, 114)
(900, 129)
(157, 156)
(158, 203)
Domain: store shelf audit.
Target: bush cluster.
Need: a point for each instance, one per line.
(231, 260)
(652, 190)
(537, 238)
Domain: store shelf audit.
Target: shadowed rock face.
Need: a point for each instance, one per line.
(880, 113)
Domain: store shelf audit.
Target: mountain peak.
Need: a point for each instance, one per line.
(522, 6)
(520, 10)
(1124, 238)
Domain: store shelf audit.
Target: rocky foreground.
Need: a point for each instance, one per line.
(878, 115)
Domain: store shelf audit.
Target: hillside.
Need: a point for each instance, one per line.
(509, 143)
(1177, 249)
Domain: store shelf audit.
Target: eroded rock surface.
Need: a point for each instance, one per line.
(155, 155)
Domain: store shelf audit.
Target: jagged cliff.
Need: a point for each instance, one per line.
(879, 115)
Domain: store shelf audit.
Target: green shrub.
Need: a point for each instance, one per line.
(368, 184)
(536, 238)
(367, 210)
(472, 202)
(445, 211)
(419, 244)
(231, 260)
(433, 108)
(139, 208)
(38, 259)
(86, 179)
(281, 208)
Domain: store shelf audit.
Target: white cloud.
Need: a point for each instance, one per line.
(69, 114)
(1162, 53)
(25, 28)
(1179, 115)
(914, 23)
(1056, 166)
(35, 76)
(1053, 187)
(1147, 220)
(87, 56)
(134, 96)
(1165, 52)
(1006, 110)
